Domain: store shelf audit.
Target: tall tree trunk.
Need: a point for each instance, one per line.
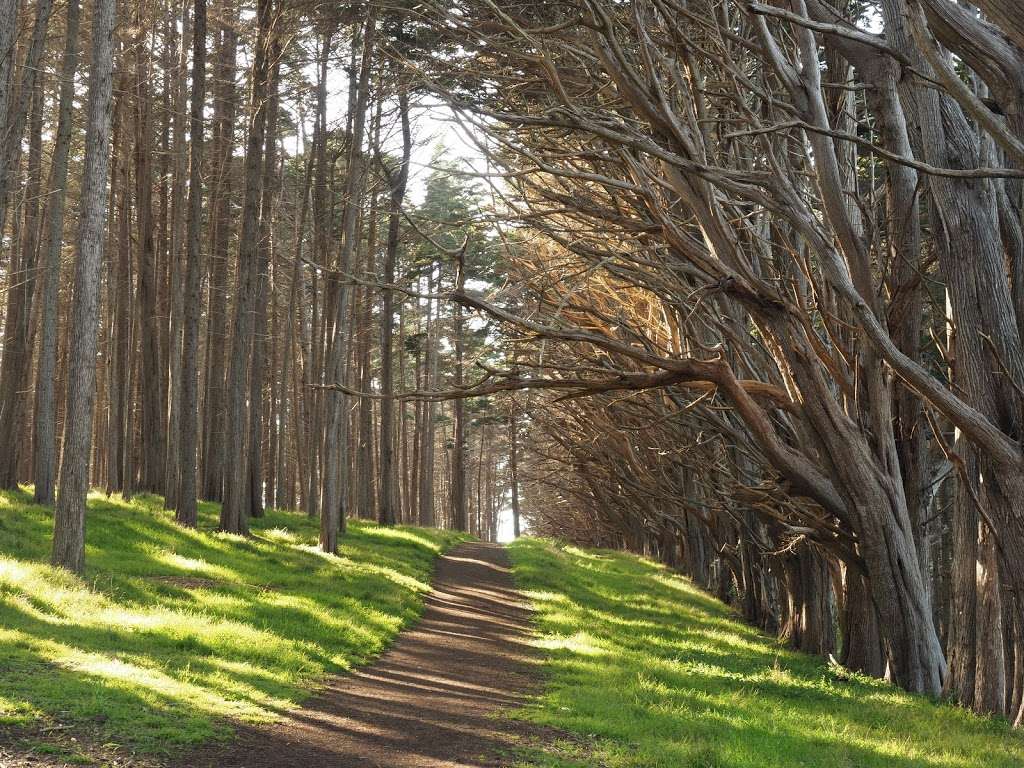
(223, 145)
(264, 250)
(187, 512)
(459, 521)
(387, 505)
(17, 352)
(119, 299)
(332, 515)
(45, 438)
(513, 467)
(151, 376)
(236, 455)
(426, 457)
(69, 513)
(178, 253)
(292, 419)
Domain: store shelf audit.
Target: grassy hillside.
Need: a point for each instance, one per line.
(659, 675)
(170, 631)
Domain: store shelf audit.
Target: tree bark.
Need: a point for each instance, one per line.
(399, 181)
(17, 351)
(69, 514)
(45, 438)
(335, 457)
(186, 512)
(235, 506)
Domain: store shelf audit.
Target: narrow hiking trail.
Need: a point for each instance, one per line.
(428, 702)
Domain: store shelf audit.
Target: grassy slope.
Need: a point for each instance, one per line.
(172, 630)
(660, 675)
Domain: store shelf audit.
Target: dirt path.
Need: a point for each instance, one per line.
(426, 703)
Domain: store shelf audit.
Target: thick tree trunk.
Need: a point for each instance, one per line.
(862, 649)
(961, 645)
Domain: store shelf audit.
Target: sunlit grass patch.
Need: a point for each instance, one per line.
(172, 631)
(653, 673)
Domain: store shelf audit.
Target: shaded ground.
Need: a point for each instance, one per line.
(430, 701)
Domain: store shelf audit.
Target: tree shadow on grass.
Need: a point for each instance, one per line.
(662, 675)
(173, 630)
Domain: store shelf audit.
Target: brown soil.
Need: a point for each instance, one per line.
(429, 702)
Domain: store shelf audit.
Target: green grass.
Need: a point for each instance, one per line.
(649, 671)
(172, 632)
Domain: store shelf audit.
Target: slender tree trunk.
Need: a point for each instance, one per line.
(187, 512)
(179, 258)
(235, 507)
(332, 514)
(291, 419)
(119, 298)
(513, 466)
(387, 504)
(264, 250)
(16, 363)
(45, 438)
(69, 514)
(221, 193)
(459, 520)
(426, 457)
(151, 379)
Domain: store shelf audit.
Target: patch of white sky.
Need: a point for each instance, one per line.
(437, 134)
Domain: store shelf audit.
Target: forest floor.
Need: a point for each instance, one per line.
(174, 635)
(434, 700)
(197, 649)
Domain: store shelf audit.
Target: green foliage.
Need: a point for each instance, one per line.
(171, 630)
(656, 674)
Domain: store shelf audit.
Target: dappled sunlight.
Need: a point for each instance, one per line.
(279, 536)
(418, 536)
(657, 674)
(580, 642)
(171, 630)
(192, 565)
